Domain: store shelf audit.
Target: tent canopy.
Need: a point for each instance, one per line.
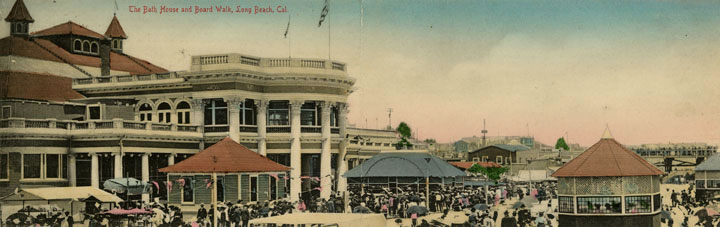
(62, 193)
(400, 164)
(711, 164)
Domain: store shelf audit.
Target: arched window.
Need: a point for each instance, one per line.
(86, 46)
(145, 112)
(183, 113)
(19, 28)
(77, 45)
(94, 47)
(164, 112)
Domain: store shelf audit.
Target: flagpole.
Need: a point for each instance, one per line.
(289, 38)
(328, 18)
(214, 199)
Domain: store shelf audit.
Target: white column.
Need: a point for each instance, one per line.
(146, 174)
(234, 117)
(342, 148)
(295, 152)
(262, 126)
(171, 159)
(94, 171)
(325, 157)
(72, 172)
(198, 112)
(118, 166)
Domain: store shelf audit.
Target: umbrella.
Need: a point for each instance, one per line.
(19, 218)
(361, 209)
(551, 216)
(529, 201)
(419, 210)
(518, 205)
(122, 185)
(711, 212)
(481, 206)
(665, 214)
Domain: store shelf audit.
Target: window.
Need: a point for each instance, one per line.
(4, 166)
(220, 190)
(94, 112)
(94, 47)
(216, 112)
(77, 45)
(183, 113)
(599, 205)
(476, 159)
(164, 112)
(19, 28)
(484, 158)
(247, 113)
(507, 160)
(187, 189)
(713, 184)
(145, 112)
(117, 44)
(637, 204)
(333, 117)
(52, 168)
(566, 204)
(273, 188)
(6, 112)
(278, 113)
(700, 183)
(657, 202)
(31, 165)
(253, 188)
(308, 114)
(499, 159)
(86, 46)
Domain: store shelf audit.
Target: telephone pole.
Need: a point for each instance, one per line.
(390, 110)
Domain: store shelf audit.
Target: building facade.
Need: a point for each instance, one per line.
(77, 116)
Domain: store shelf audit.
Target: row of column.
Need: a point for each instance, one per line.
(117, 168)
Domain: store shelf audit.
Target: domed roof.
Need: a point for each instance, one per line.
(607, 158)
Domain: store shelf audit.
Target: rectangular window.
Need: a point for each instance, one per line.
(216, 112)
(566, 204)
(308, 114)
(94, 113)
(657, 201)
(187, 190)
(476, 159)
(247, 113)
(334, 117)
(6, 112)
(253, 189)
(31, 165)
(499, 159)
(599, 205)
(52, 168)
(507, 160)
(484, 158)
(278, 113)
(700, 183)
(4, 166)
(273, 188)
(637, 204)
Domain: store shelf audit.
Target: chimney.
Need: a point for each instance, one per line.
(105, 57)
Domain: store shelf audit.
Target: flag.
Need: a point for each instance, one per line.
(209, 184)
(304, 177)
(181, 181)
(116, 6)
(169, 186)
(275, 176)
(287, 29)
(316, 179)
(324, 13)
(318, 188)
(156, 185)
(286, 177)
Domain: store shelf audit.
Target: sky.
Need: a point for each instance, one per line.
(648, 70)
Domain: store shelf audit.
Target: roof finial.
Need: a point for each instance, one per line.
(607, 134)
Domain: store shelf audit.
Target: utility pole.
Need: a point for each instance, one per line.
(390, 110)
(484, 131)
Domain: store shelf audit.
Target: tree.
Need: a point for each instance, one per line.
(405, 132)
(492, 173)
(430, 141)
(561, 144)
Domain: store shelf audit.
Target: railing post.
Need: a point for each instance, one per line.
(52, 122)
(91, 125)
(173, 127)
(118, 123)
(199, 128)
(148, 126)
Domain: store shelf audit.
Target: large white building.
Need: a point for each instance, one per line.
(77, 110)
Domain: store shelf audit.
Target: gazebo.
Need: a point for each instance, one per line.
(608, 185)
(405, 169)
(232, 170)
(707, 178)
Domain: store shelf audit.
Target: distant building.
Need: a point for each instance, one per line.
(500, 153)
(468, 144)
(707, 178)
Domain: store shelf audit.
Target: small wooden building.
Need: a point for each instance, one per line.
(502, 154)
(707, 178)
(241, 175)
(608, 185)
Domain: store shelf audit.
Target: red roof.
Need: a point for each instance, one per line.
(34, 86)
(19, 13)
(39, 48)
(69, 28)
(467, 165)
(607, 158)
(114, 30)
(226, 156)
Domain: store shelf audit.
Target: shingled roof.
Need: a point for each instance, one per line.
(35, 86)
(403, 164)
(19, 13)
(607, 158)
(226, 156)
(68, 28)
(114, 30)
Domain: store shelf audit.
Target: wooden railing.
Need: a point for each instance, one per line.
(92, 125)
